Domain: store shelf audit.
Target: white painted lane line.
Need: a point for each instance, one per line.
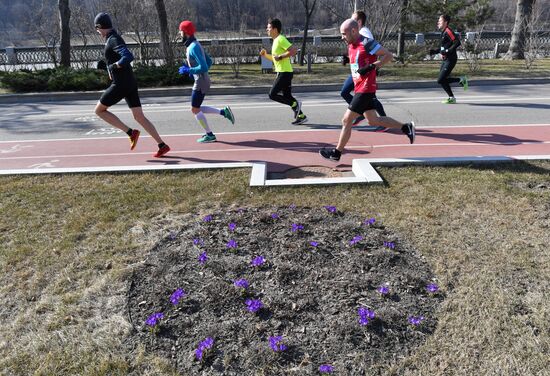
(85, 114)
(175, 153)
(278, 131)
(15, 149)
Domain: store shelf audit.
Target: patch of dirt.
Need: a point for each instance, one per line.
(532, 186)
(312, 172)
(310, 294)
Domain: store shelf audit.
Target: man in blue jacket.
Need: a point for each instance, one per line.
(124, 86)
(198, 63)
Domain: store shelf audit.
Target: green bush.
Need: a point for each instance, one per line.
(24, 81)
(68, 79)
(151, 76)
(76, 80)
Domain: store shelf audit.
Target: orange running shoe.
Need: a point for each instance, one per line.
(163, 150)
(134, 138)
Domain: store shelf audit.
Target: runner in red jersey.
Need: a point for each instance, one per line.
(365, 56)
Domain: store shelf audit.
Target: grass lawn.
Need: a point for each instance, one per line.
(69, 244)
(426, 70)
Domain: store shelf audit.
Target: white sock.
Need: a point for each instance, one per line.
(211, 110)
(201, 119)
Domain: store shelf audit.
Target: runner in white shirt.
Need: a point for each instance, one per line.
(364, 30)
(360, 17)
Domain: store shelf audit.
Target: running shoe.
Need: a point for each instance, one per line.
(464, 82)
(134, 138)
(162, 151)
(450, 100)
(358, 120)
(228, 114)
(329, 154)
(206, 138)
(297, 109)
(301, 119)
(410, 131)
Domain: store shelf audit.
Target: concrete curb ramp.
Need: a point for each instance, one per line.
(363, 169)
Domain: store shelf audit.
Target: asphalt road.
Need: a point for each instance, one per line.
(483, 105)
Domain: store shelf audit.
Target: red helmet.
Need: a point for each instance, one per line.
(187, 27)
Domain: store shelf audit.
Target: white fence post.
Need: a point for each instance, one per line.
(12, 55)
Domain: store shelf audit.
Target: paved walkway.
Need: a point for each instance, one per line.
(281, 150)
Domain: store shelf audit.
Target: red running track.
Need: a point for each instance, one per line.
(281, 150)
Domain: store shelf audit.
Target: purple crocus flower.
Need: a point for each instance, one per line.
(172, 235)
(296, 227)
(258, 261)
(176, 296)
(203, 257)
(198, 354)
(365, 315)
(276, 343)
(433, 288)
(416, 320)
(203, 347)
(154, 319)
(292, 206)
(198, 242)
(355, 240)
(275, 216)
(313, 244)
(331, 209)
(326, 368)
(232, 226)
(383, 290)
(243, 283)
(253, 305)
(207, 218)
(231, 244)
(390, 245)
(369, 221)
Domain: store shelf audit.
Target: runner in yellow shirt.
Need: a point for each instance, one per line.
(281, 51)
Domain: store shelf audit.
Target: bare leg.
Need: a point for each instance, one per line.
(384, 121)
(102, 111)
(139, 116)
(345, 133)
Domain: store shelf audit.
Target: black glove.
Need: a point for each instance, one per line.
(367, 69)
(434, 52)
(101, 65)
(345, 59)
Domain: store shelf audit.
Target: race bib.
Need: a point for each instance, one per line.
(354, 68)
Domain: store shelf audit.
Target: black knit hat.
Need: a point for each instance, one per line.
(103, 21)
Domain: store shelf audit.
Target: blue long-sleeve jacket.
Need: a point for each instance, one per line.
(198, 59)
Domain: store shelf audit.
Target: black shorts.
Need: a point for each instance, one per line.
(115, 93)
(362, 102)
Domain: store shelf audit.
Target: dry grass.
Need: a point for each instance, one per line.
(68, 244)
(426, 70)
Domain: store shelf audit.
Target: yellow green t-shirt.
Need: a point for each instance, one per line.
(280, 46)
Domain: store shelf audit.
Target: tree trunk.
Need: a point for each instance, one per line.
(401, 34)
(304, 41)
(65, 43)
(309, 12)
(521, 29)
(166, 47)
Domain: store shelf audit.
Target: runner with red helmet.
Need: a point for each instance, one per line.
(197, 65)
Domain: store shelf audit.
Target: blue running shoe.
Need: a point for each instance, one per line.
(206, 138)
